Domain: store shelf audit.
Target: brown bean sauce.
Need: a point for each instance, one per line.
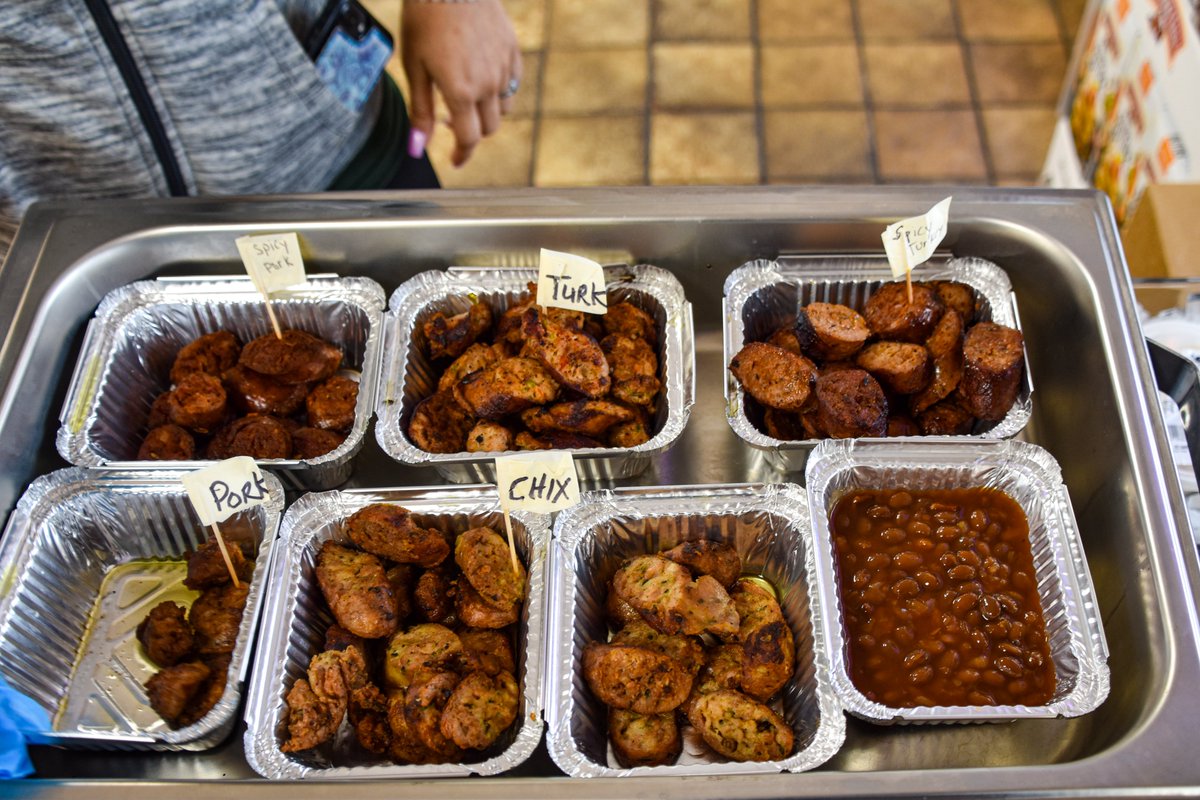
(939, 598)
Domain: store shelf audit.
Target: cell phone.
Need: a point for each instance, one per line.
(350, 50)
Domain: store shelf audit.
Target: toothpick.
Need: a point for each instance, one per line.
(275, 322)
(225, 554)
(908, 282)
(512, 547)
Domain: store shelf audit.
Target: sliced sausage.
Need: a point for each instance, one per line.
(946, 418)
(167, 443)
(945, 348)
(902, 367)
(197, 402)
(891, 316)
(830, 331)
(773, 376)
(993, 360)
(786, 338)
(851, 403)
(957, 296)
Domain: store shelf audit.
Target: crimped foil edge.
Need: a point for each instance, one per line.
(298, 532)
(599, 463)
(51, 491)
(989, 280)
(574, 525)
(1085, 649)
(78, 415)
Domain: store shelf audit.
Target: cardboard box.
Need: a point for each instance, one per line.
(1162, 240)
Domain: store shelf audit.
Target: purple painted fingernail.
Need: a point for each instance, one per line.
(416, 143)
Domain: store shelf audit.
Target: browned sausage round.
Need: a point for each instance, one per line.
(830, 331)
(957, 296)
(439, 424)
(786, 338)
(451, 336)
(946, 418)
(167, 443)
(891, 316)
(945, 348)
(254, 436)
(902, 367)
(851, 403)
(331, 404)
(313, 442)
(197, 402)
(212, 353)
(261, 394)
(297, 357)
(993, 360)
(773, 376)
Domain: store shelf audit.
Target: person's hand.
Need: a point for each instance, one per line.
(470, 52)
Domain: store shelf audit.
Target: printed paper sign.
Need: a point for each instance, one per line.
(913, 241)
(570, 281)
(225, 488)
(273, 261)
(539, 481)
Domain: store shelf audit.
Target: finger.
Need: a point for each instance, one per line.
(489, 114)
(421, 114)
(464, 120)
(516, 71)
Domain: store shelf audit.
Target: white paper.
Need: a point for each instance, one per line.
(539, 481)
(912, 241)
(225, 488)
(570, 281)
(273, 261)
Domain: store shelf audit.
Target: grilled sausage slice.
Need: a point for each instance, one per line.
(643, 740)
(573, 358)
(489, 437)
(167, 443)
(891, 316)
(830, 331)
(507, 387)
(773, 376)
(993, 360)
(634, 678)
(708, 557)
(439, 424)
(585, 417)
(449, 337)
(768, 649)
(902, 367)
(390, 532)
(946, 418)
(945, 348)
(851, 403)
(786, 338)
(957, 297)
(741, 728)
(212, 353)
(357, 590)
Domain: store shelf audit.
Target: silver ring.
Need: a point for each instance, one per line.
(510, 89)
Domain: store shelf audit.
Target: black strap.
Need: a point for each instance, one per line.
(119, 49)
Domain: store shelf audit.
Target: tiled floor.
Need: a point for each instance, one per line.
(628, 92)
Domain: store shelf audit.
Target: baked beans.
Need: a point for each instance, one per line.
(939, 598)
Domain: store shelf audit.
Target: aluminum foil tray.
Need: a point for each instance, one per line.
(768, 526)
(761, 296)
(408, 376)
(85, 556)
(1029, 475)
(296, 618)
(138, 329)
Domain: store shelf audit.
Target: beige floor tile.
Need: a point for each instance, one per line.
(906, 19)
(931, 74)
(529, 21)
(502, 159)
(701, 19)
(802, 20)
(703, 148)
(525, 103)
(598, 23)
(1018, 73)
(817, 145)
(588, 81)
(928, 145)
(1018, 138)
(807, 75)
(386, 13)
(1008, 20)
(596, 151)
(703, 75)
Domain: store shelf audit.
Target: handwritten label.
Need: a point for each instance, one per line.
(570, 281)
(273, 261)
(913, 241)
(225, 488)
(539, 481)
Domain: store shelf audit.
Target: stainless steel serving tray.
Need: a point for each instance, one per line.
(1095, 410)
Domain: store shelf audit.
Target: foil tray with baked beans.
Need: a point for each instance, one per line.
(138, 330)
(763, 296)
(976, 613)
(767, 525)
(296, 621)
(86, 554)
(410, 375)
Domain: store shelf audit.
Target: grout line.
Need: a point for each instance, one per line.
(976, 104)
(648, 99)
(868, 104)
(760, 114)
